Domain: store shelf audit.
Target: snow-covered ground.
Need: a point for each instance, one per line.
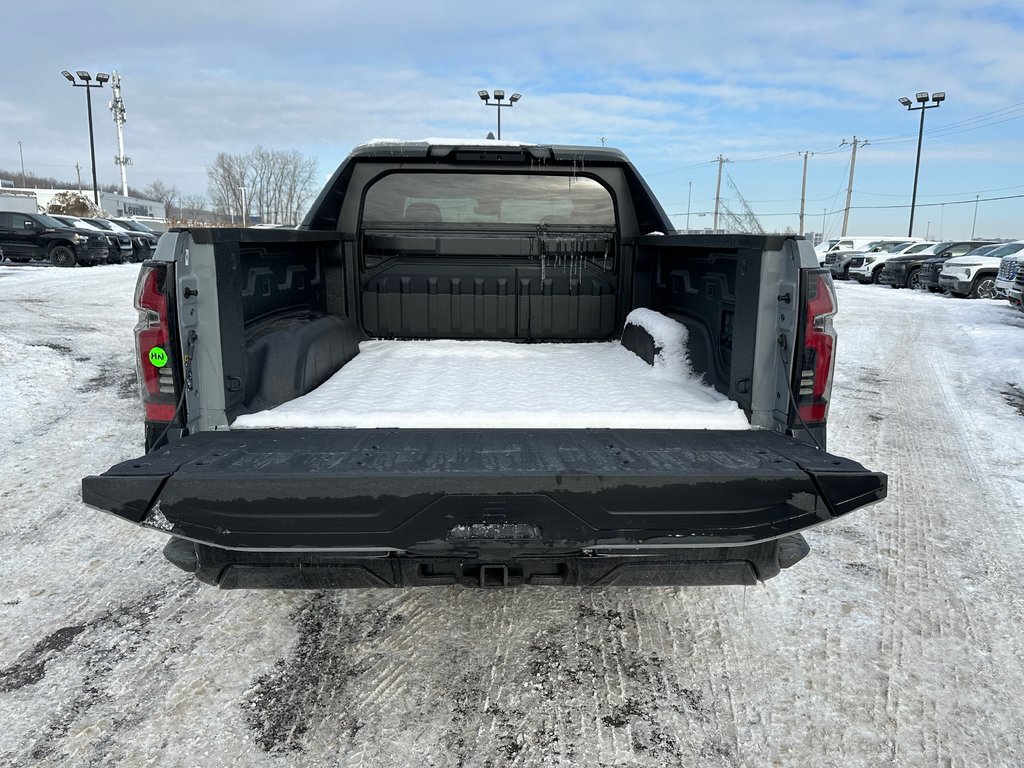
(896, 642)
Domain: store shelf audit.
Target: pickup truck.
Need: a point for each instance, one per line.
(486, 365)
(27, 236)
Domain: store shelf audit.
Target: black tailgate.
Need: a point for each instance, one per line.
(439, 491)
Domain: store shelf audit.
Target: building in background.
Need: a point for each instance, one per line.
(111, 203)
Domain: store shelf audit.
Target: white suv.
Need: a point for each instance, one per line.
(975, 276)
(866, 267)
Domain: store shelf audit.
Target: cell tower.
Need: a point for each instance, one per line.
(117, 110)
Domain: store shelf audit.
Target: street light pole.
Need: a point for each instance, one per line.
(499, 96)
(22, 155)
(86, 78)
(922, 99)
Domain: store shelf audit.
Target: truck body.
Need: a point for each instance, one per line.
(282, 451)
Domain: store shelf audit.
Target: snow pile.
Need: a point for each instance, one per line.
(669, 337)
(494, 385)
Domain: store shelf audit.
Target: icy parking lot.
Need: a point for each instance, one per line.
(896, 642)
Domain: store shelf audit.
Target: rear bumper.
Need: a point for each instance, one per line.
(713, 566)
(295, 499)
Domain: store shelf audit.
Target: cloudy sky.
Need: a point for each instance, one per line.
(672, 84)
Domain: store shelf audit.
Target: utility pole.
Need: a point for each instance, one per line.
(689, 194)
(22, 154)
(718, 192)
(849, 187)
(117, 109)
(973, 225)
(803, 190)
(78, 170)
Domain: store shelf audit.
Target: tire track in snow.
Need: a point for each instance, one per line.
(924, 538)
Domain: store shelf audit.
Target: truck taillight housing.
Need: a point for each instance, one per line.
(816, 352)
(156, 362)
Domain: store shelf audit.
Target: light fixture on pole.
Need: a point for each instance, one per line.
(499, 96)
(86, 78)
(922, 99)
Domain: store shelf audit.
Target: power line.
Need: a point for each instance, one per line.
(890, 207)
(961, 126)
(944, 194)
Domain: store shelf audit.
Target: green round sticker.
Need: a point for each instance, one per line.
(158, 357)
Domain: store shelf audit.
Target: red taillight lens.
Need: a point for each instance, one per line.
(814, 383)
(155, 357)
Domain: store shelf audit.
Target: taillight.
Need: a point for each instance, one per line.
(818, 337)
(155, 357)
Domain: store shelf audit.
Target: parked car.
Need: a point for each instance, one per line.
(866, 268)
(129, 252)
(974, 275)
(118, 248)
(1008, 269)
(931, 270)
(27, 236)
(1014, 295)
(840, 261)
(848, 245)
(905, 271)
(144, 240)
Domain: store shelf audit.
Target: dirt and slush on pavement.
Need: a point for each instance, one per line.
(895, 642)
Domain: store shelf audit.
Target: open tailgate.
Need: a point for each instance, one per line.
(475, 493)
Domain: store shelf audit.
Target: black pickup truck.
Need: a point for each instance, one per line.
(283, 451)
(28, 236)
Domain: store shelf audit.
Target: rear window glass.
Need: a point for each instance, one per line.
(488, 198)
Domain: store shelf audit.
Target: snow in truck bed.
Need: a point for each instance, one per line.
(493, 384)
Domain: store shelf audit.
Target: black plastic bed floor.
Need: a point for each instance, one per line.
(407, 488)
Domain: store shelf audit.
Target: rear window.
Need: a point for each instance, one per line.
(488, 198)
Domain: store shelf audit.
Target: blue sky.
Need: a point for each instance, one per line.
(673, 85)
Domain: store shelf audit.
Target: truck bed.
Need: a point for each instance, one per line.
(501, 385)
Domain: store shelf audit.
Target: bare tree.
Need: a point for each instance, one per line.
(191, 205)
(276, 185)
(166, 194)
